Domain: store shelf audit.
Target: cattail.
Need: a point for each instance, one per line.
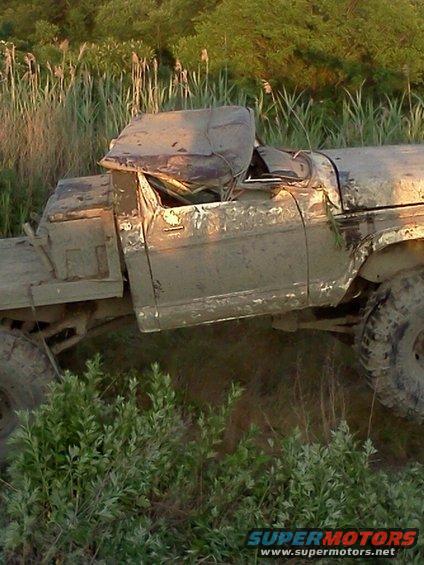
(30, 61)
(267, 87)
(8, 61)
(58, 72)
(204, 56)
(82, 50)
(64, 46)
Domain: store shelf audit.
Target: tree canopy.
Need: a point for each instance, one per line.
(313, 44)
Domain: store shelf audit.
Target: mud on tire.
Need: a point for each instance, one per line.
(25, 372)
(390, 341)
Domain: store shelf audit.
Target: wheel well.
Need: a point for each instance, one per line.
(385, 263)
(66, 325)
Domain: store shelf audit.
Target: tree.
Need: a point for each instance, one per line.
(45, 32)
(158, 23)
(18, 18)
(313, 43)
(123, 19)
(73, 20)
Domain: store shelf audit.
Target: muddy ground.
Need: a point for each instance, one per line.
(306, 379)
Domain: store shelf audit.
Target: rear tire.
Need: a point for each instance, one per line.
(25, 373)
(391, 343)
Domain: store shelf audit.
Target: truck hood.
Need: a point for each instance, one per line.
(379, 177)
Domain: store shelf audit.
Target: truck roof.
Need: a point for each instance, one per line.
(208, 147)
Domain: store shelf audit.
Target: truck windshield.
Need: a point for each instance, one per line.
(269, 164)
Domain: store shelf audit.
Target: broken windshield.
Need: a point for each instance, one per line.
(270, 164)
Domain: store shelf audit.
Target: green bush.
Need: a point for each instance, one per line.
(318, 46)
(315, 45)
(45, 32)
(141, 478)
(111, 57)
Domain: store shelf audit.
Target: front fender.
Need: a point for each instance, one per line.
(380, 240)
(391, 252)
(368, 246)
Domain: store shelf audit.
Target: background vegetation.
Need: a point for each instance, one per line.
(318, 73)
(308, 44)
(58, 120)
(146, 478)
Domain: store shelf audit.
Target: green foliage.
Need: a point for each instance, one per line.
(45, 32)
(81, 20)
(158, 23)
(72, 20)
(6, 29)
(306, 44)
(313, 45)
(13, 210)
(125, 20)
(142, 478)
(112, 57)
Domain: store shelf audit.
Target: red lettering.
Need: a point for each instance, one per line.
(409, 538)
(365, 536)
(395, 538)
(379, 538)
(350, 538)
(332, 538)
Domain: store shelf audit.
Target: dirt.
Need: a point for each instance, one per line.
(308, 380)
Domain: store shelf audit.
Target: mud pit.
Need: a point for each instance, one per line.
(305, 379)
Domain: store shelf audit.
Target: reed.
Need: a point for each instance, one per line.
(57, 121)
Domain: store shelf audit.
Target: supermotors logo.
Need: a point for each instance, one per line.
(314, 543)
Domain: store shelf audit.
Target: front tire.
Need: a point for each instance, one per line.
(391, 343)
(25, 373)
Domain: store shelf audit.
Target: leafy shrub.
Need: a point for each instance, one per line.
(108, 57)
(142, 478)
(45, 32)
(317, 46)
(112, 57)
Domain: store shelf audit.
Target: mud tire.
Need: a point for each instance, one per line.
(25, 373)
(390, 342)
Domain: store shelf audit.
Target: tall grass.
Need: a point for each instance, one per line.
(58, 121)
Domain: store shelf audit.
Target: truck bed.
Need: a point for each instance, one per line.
(77, 233)
(25, 281)
(20, 268)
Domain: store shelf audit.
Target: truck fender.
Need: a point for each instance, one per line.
(390, 252)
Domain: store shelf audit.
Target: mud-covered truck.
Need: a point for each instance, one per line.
(196, 221)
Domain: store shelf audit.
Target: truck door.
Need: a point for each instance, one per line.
(225, 260)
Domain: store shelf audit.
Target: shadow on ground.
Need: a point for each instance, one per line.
(305, 379)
